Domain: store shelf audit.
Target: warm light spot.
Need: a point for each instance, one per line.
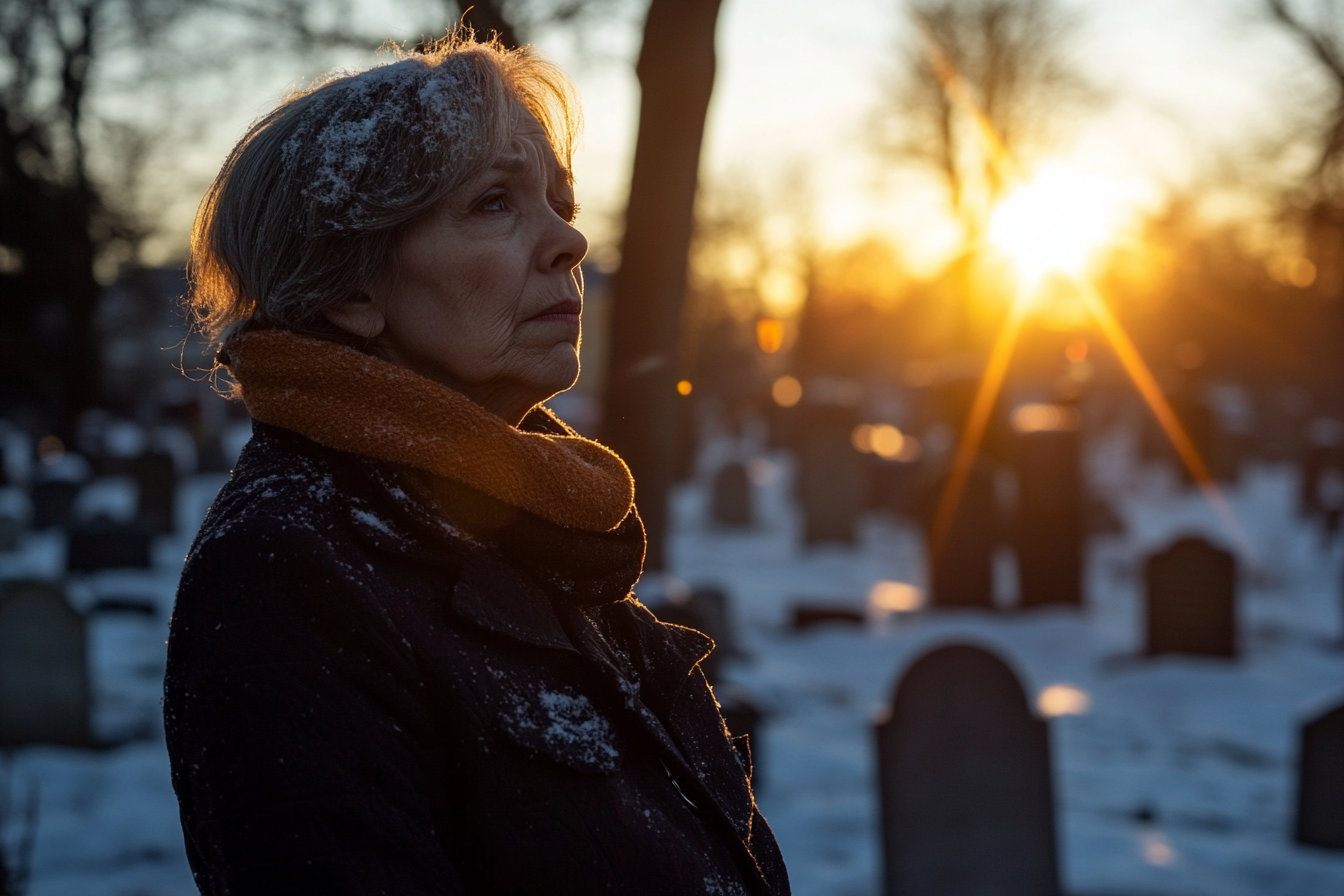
(1156, 849)
(895, 597)
(684, 387)
(786, 391)
(1063, 700)
(769, 334)
(1189, 355)
(1056, 222)
(1043, 418)
(1295, 271)
(887, 441)
(1076, 351)
(910, 450)
(50, 449)
(862, 438)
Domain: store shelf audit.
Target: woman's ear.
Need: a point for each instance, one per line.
(361, 316)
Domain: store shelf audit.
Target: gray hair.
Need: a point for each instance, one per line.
(307, 210)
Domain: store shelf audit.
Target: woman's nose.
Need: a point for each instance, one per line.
(568, 248)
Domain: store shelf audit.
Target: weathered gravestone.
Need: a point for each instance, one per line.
(1317, 464)
(106, 545)
(806, 616)
(1050, 525)
(962, 573)
(1320, 782)
(964, 774)
(730, 498)
(44, 687)
(1192, 600)
(156, 475)
(53, 503)
(832, 476)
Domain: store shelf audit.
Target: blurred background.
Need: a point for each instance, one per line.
(1013, 323)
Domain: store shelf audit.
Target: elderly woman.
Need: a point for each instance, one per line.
(405, 658)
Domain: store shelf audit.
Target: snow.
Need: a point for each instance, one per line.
(1173, 776)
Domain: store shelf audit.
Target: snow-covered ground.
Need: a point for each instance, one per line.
(1203, 750)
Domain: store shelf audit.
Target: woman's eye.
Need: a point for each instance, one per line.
(569, 211)
(493, 203)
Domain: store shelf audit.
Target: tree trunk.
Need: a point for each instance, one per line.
(676, 78)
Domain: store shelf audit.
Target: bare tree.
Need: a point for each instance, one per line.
(676, 76)
(1008, 59)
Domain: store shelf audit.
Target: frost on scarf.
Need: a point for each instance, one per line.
(374, 134)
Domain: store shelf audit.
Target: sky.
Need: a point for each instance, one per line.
(1187, 83)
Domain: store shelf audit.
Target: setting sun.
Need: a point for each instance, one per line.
(1056, 222)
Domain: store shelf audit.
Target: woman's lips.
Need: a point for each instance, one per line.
(565, 312)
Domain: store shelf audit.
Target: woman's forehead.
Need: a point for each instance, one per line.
(530, 149)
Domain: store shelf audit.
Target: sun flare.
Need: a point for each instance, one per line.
(1056, 222)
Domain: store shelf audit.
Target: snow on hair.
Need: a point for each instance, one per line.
(306, 210)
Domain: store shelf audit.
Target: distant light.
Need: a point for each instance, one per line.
(769, 334)
(684, 387)
(887, 441)
(1076, 351)
(1156, 849)
(50, 449)
(1295, 271)
(895, 597)
(786, 391)
(1063, 700)
(1043, 418)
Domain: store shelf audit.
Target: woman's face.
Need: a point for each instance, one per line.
(484, 294)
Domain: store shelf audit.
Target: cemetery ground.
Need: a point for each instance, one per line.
(1174, 776)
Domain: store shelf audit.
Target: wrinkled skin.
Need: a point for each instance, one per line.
(483, 293)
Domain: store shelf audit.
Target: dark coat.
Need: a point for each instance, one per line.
(380, 682)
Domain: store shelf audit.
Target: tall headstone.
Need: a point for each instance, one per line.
(966, 794)
(1191, 605)
(1050, 523)
(53, 503)
(832, 476)
(962, 573)
(44, 686)
(730, 497)
(156, 474)
(107, 545)
(1320, 782)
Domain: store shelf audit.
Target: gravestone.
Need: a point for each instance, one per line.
(53, 503)
(832, 475)
(1191, 600)
(156, 475)
(11, 532)
(1320, 782)
(730, 498)
(806, 616)
(1317, 464)
(1050, 523)
(964, 775)
(106, 545)
(962, 575)
(44, 687)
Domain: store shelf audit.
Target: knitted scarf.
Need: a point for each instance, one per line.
(345, 399)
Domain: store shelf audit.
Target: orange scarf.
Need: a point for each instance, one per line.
(345, 399)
